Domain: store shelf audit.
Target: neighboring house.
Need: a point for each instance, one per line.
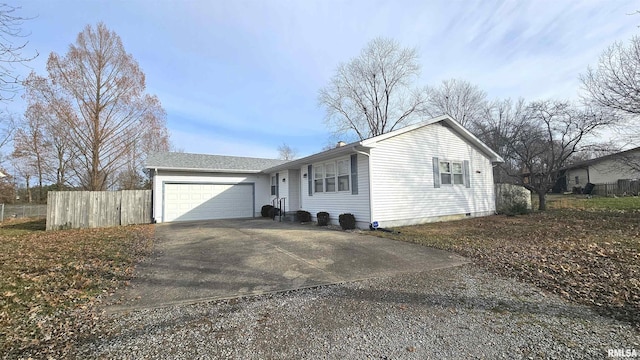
(430, 171)
(607, 169)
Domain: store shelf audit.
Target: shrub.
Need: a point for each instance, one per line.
(266, 210)
(273, 212)
(517, 208)
(303, 216)
(347, 221)
(323, 218)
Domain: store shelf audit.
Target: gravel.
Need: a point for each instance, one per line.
(461, 312)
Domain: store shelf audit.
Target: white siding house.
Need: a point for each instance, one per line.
(431, 171)
(608, 169)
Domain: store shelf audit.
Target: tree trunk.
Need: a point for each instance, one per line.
(28, 190)
(542, 198)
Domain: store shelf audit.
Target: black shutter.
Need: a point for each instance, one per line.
(277, 185)
(310, 179)
(467, 177)
(436, 172)
(354, 174)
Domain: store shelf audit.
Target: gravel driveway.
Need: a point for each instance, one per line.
(454, 313)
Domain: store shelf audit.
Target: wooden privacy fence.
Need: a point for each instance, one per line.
(92, 209)
(619, 188)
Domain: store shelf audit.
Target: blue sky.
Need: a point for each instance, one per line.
(242, 77)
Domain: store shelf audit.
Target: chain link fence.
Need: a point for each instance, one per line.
(12, 211)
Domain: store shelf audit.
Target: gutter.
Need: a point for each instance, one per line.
(236, 171)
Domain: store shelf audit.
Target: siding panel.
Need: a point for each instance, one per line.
(341, 202)
(405, 190)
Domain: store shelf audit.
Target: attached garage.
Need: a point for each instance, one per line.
(189, 187)
(201, 201)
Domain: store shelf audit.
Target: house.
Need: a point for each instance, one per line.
(430, 171)
(607, 169)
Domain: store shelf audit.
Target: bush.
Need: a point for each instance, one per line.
(347, 221)
(323, 218)
(303, 216)
(266, 210)
(517, 208)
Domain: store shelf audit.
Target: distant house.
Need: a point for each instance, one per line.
(607, 169)
(430, 171)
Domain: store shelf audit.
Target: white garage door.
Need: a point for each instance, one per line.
(183, 202)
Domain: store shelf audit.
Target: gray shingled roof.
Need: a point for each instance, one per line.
(186, 161)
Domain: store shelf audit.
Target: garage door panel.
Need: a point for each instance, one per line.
(185, 202)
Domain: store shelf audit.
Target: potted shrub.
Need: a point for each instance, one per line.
(323, 218)
(347, 221)
(303, 216)
(266, 210)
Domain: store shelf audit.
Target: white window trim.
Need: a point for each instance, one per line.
(451, 173)
(336, 176)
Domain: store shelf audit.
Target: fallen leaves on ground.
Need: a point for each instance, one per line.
(591, 257)
(50, 280)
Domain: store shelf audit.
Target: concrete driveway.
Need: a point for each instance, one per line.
(209, 260)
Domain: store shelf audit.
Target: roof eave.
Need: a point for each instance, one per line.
(182, 169)
(339, 151)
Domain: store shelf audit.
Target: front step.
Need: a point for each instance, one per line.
(289, 217)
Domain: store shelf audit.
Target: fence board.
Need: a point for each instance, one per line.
(92, 209)
(619, 188)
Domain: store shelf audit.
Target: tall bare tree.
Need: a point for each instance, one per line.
(615, 82)
(501, 120)
(286, 152)
(374, 93)
(459, 98)
(12, 46)
(31, 145)
(550, 133)
(98, 91)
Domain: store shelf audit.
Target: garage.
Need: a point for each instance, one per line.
(205, 201)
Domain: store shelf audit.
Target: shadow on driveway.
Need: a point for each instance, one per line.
(221, 259)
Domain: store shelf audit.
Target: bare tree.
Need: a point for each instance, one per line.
(465, 102)
(501, 120)
(286, 152)
(98, 91)
(615, 83)
(548, 136)
(373, 93)
(12, 45)
(31, 145)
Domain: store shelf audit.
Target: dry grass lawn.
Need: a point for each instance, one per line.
(50, 281)
(586, 250)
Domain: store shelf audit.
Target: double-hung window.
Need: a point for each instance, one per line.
(451, 173)
(274, 184)
(332, 176)
(318, 178)
(344, 170)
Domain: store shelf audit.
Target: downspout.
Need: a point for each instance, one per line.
(370, 188)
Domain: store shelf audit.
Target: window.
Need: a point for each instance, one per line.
(458, 179)
(577, 180)
(343, 175)
(318, 177)
(445, 173)
(451, 173)
(274, 183)
(332, 176)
